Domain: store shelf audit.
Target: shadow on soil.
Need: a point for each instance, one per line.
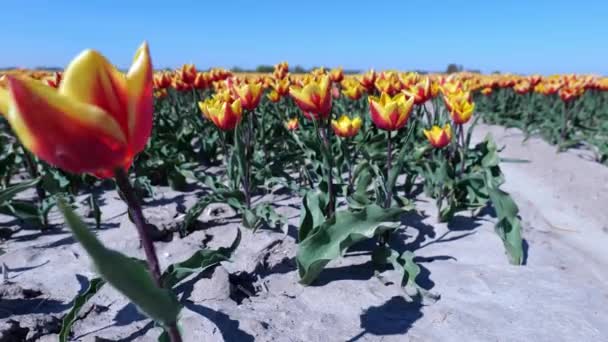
(395, 317)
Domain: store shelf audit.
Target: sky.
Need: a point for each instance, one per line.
(517, 36)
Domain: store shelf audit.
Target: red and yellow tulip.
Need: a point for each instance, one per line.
(224, 112)
(439, 137)
(368, 80)
(421, 91)
(273, 96)
(187, 73)
(460, 106)
(346, 127)
(292, 124)
(314, 98)
(336, 75)
(249, 92)
(390, 113)
(352, 89)
(95, 122)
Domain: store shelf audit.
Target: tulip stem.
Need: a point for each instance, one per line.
(124, 185)
(464, 148)
(122, 180)
(331, 206)
(389, 162)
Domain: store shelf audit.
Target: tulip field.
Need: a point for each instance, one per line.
(198, 205)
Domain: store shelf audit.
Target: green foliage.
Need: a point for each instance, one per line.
(128, 276)
(80, 300)
(330, 239)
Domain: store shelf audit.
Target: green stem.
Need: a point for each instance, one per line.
(331, 205)
(389, 162)
(122, 180)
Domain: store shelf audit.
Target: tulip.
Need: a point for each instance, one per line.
(274, 96)
(249, 93)
(439, 137)
(390, 113)
(187, 73)
(523, 87)
(314, 98)
(292, 124)
(547, 88)
(352, 89)
(95, 122)
(368, 80)
(569, 93)
(460, 106)
(281, 70)
(336, 75)
(421, 91)
(224, 114)
(162, 80)
(53, 81)
(486, 91)
(200, 81)
(281, 87)
(346, 127)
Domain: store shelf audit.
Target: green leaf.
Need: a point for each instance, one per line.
(331, 239)
(311, 215)
(10, 192)
(508, 226)
(198, 262)
(128, 276)
(94, 286)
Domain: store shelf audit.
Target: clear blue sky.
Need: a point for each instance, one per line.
(517, 36)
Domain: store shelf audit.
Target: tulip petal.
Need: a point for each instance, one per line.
(90, 78)
(4, 101)
(72, 135)
(140, 82)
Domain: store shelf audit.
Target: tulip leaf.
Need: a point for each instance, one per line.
(200, 261)
(95, 285)
(128, 276)
(331, 239)
(10, 192)
(311, 215)
(508, 226)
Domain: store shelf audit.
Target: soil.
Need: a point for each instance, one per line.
(561, 292)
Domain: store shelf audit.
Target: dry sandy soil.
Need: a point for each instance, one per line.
(561, 294)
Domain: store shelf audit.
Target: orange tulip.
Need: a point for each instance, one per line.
(390, 113)
(439, 137)
(95, 122)
(224, 114)
(314, 99)
(346, 127)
